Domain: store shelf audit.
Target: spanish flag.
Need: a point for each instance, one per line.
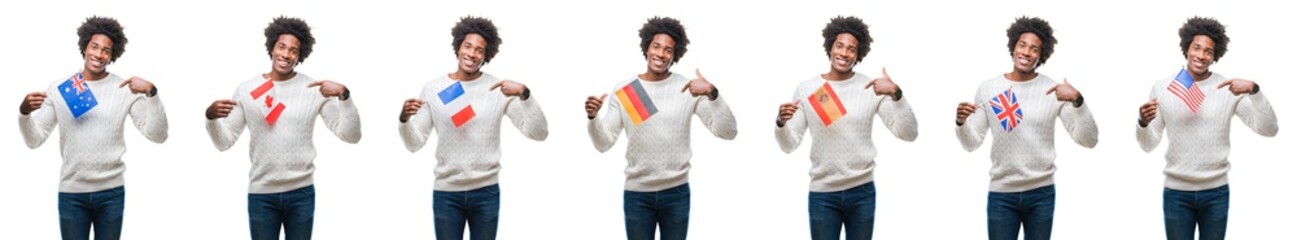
(639, 107)
(826, 104)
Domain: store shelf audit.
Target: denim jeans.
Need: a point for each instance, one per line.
(1032, 210)
(645, 211)
(852, 208)
(1208, 209)
(479, 208)
(103, 210)
(293, 210)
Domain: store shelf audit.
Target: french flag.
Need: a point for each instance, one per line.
(453, 99)
(264, 98)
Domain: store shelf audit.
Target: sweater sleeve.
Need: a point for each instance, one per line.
(225, 131)
(898, 117)
(342, 118)
(716, 115)
(414, 131)
(527, 117)
(1149, 136)
(605, 128)
(37, 125)
(1256, 113)
(150, 117)
(790, 135)
(975, 126)
(1079, 123)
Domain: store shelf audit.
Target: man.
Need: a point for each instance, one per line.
(654, 110)
(90, 106)
(1196, 118)
(1020, 113)
(842, 154)
(279, 108)
(466, 113)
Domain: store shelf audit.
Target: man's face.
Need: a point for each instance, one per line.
(99, 51)
(660, 53)
(843, 54)
(285, 54)
(1026, 53)
(1201, 52)
(472, 53)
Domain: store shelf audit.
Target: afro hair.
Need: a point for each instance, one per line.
(1208, 27)
(664, 25)
(289, 25)
(106, 26)
(853, 25)
(480, 26)
(1036, 26)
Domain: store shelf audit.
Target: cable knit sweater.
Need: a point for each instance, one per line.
(282, 154)
(1197, 154)
(468, 156)
(658, 151)
(92, 145)
(842, 153)
(1023, 159)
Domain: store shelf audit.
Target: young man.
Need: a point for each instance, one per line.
(1199, 104)
(842, 154)
(466, 112)
(90, 107)
(279, 108)
(654, 109)
(1018, 109)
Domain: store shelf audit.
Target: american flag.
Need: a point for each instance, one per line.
(1007, 110)
(1186, 89)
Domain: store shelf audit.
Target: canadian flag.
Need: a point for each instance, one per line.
(264, 98)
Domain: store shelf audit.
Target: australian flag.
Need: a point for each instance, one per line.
(76, 93)
(1007, 110)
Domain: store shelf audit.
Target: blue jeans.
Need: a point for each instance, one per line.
(294, 210)
(1033, 210)
(479, 208)
(853, 207)
(1208, 209)
(645, 211)
(102, 209)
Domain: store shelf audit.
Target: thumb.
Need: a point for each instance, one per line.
(698, 73)
(885, 73)
(605, 96)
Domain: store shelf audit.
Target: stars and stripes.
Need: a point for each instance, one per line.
(1185, 88)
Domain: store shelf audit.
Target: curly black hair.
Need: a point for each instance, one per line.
(1037, 26)
(290, 25)
(1204, 26)
(853, 25)
(670, 27)
(106, 26)
(480, 26)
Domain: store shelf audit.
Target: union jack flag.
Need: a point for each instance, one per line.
(1007, 110)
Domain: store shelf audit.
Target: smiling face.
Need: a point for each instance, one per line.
(471, 53)
(843, 55)
(1200, 55)
(660, 53)
(285, 54)
(1026, 53)
(98, 54)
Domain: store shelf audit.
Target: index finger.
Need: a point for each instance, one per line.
(1225, 83)
(496, 85)
(871, 82)
(1052, 89)
(316, 84)
(124, 83)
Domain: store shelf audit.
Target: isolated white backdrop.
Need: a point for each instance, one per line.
(938, 51)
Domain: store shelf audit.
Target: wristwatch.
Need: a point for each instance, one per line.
(526, 94)
(1080, 99)
(716, 92)
(346, 94)
(896, 96)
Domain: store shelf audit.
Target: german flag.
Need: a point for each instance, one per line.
(639, 107)
(826, 104)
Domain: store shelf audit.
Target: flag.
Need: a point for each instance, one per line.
(463, 110)
(1007, 110)
(636, 101)
(264, 98)
(827, 104)
(1186, 89)
(76, 93)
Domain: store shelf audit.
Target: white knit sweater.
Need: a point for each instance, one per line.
(92, 146)
(842, 153)
(468, 156)
(1197, 154)
(282, 155)
(1023, 159)
(658, 151)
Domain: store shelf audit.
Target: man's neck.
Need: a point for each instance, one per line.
(1020, 76)
(91, 76)
(837, 76)
(272, 75)
(652, 76)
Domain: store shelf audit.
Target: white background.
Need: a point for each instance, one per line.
(938, 51)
